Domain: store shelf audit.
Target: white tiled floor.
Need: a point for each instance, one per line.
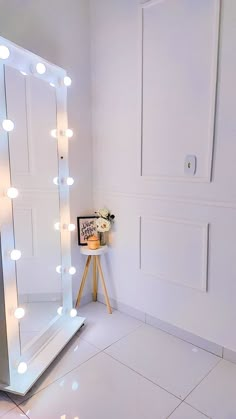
(119, 368)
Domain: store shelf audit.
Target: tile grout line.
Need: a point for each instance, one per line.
(209, 372)
(145, 378)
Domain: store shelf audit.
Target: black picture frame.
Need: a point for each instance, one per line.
(86, 227)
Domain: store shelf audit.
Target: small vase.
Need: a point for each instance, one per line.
(103, 238)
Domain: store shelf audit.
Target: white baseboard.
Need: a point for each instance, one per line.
(189, 337)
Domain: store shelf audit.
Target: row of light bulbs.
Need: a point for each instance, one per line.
(39, 68)
(8, 126)
(12, 192)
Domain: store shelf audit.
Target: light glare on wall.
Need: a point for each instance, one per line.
(19, 313)
(56, 181)
(15, 254)
(22, 368)
(4, 52)
(12, 193)
(67, 81)
(54, 133)
(59, 269)
(60, 311)
(57, 226)
(8, 125)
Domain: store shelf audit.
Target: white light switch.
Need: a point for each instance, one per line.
(190, 165)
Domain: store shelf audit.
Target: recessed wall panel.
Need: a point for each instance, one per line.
(174, 250)
(179, 73)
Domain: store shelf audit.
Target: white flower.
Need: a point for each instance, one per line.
(103, 225)
(103, 212)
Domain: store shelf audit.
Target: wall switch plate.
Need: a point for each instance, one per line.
(190, 165)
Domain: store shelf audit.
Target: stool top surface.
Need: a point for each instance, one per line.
(100, 251)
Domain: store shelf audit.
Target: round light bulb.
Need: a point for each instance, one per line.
(15, 254)
(71, 227)
(67, 81)
(19, 313)
(22, 368)
(4, 52)
(57, 226)
(70, 181)
(72, 270)
(40, 68)
(59, 269)
(54, 133)
(12, 193)
(8, 125)
(73, 312)
(60, 311)
(56, 181)
(69, 133)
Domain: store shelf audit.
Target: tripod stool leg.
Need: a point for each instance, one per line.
(103, 285)
(83, 281)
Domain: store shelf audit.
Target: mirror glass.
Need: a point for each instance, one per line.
(31, 105)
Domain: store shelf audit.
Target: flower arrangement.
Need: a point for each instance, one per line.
(104, 220)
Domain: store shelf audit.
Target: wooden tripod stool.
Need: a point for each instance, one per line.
(95, 254)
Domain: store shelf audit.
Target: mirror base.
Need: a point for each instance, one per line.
(21, 384)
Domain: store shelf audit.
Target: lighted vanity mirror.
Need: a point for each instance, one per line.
(37, 317)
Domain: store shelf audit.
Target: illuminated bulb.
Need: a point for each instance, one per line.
(57, 226)
(15, 254)
(73, 312)
(59, 269)
(67, 81)
(70, 181)
(53, 133)
(40, 68)
(60, 311)
(12, 193)
(22, 367)
(4, 52)
(71, 227)
(56, 181)
(23, 73)
(19, 313)
(8, 125)
(69, 133)
(72, 270)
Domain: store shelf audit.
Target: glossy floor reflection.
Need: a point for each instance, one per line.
(117, 367)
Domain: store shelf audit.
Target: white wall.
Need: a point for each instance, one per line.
(58, 31)
(152, 211)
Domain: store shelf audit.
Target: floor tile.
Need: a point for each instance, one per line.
(175, 365)
(101, 388)
(102, 329)
(216, 395)
(75, 353)
(14, 414)
(5, 404)
(186, 412)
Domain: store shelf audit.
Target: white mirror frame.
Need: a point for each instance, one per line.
(44, 348)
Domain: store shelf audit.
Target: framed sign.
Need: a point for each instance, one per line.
(86, 228)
